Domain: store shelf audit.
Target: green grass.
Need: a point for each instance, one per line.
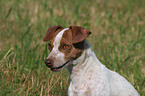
(118, 39)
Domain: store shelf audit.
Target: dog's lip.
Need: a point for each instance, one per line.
(60, 67)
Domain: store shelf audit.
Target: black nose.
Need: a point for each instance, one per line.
(48, 62)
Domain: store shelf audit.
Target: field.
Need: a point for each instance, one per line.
(118, 39)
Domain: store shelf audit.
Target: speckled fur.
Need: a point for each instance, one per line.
(89, 77)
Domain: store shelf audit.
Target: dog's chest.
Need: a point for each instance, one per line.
(79, 90)
(86, 89)
(90, 82)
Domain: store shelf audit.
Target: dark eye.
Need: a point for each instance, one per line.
(66, 46)
(49, 46)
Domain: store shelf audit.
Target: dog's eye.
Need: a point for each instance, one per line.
(49, 45)
(66, 46)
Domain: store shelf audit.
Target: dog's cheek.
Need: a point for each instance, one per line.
(78, 54)
(74, 54)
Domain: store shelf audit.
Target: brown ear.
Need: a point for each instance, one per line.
(79, 34)
(50, 32)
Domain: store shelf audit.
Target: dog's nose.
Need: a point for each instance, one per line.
(48, 62)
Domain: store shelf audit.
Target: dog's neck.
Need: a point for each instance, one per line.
(84, 62)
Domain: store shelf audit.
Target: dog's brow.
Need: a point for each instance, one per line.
(59, 37)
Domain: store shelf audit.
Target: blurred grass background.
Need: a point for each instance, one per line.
(118, 39)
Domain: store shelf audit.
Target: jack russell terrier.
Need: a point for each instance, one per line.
(88, 76)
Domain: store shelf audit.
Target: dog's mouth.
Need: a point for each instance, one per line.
(60, 67)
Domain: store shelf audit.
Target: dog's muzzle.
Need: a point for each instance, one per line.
(49, 63)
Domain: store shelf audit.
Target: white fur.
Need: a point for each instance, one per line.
(55, 53)
(89, 77)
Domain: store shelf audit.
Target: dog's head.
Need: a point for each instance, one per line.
(65, 44)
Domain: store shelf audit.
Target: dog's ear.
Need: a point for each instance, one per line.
(79, 34)
(50, 32)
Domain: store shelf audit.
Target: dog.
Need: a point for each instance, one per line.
(88, 76)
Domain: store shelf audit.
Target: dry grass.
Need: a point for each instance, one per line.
(118, 35)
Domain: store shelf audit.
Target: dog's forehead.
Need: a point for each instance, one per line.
(60, 36)
(67, 37)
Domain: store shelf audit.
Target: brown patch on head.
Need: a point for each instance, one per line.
(75, 52)
(72, 42)
(51, 31)
(67, 37)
